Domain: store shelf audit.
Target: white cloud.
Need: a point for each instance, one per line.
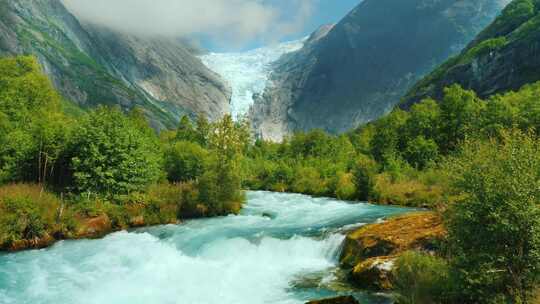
(234, 20)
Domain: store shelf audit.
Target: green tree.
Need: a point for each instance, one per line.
(460, 112)
(364, 173)
(421, 151)
(221, 183)
(185, 131)
(202, 130)
(34, 130)
(184, 161)
(110, 154)
(387, 137)
(494, 230)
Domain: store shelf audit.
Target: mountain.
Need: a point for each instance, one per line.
(357, 70)
(505, 56)
(91, 65)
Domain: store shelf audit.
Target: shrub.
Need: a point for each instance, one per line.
(364, 174)
(307, 180)
(345, 188)
(407, 192)
(420, 279)
(26, 212)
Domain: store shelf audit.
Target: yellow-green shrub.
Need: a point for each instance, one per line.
(27, 212)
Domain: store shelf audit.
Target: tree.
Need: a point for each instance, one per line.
(387, 137)
(186, 131)
(221, 183)
(364, 176)
(460, 112)
(34, 130)
(494, 230)
(110, 154)
(202, 130)
(184, 161)
(421, 151)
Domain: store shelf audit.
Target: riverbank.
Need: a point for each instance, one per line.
(289, 257)
(32, 218)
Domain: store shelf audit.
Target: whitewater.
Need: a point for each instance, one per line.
(282, 248)
(247, 72)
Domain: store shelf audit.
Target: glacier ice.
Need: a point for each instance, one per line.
(247, 72)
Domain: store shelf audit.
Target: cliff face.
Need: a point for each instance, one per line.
(90, 65)
(359, 69)
(505, 56)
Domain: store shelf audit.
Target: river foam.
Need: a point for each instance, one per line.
(250, 258)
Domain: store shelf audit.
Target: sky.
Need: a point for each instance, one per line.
(218, 25)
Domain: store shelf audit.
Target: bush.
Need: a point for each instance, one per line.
(307, 180)
(407, 192)
(420, 279)
(345, 188)
(26, 212)
(184, 161)
(364, 174)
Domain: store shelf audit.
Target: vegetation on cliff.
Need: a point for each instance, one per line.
(502, 57)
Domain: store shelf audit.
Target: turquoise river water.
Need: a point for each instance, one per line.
(283, 248)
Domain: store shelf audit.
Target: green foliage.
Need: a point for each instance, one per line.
(27, 212)
(110, 154)
(421, 279)
(33, 126)
(420, 152)
(184, 161)
(185, 130)
(364, 177)
(494, 230)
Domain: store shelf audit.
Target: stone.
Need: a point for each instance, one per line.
(370, 251)
(337, 300)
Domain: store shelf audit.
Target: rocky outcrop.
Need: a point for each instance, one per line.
(90, 65)
(337, 300)
(370, 251)
(95, 227)
(505, 56)
(357, 70)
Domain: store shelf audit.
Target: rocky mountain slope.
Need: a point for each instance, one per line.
(505, 56)
(90, 65)
(359, 69)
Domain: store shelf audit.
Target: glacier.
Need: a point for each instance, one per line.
(247, 72)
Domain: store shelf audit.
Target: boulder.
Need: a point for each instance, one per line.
(337, 300)
(95, 227)
(370, 251)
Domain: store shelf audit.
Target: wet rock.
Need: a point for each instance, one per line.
(137, 221)
(337, 300)
(35, 243)
(95, 227)
(375, 273)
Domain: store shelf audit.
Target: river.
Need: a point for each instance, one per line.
(282, 248)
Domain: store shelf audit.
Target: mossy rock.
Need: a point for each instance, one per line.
(337, 300)
(374, 273)
(368, 252)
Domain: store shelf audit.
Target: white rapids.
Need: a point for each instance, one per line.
(255, 257)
